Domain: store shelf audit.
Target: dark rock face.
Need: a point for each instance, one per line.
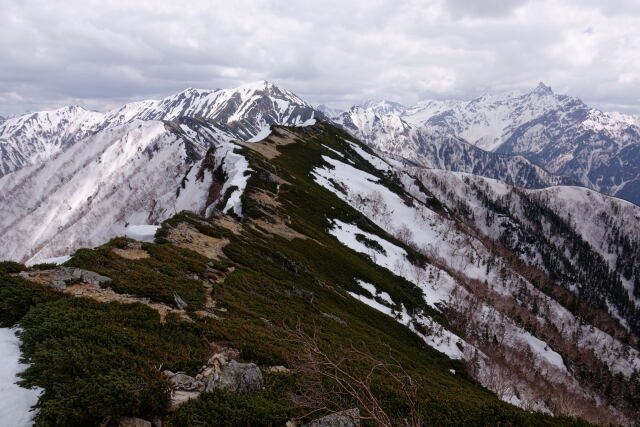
(606, 160)
(348, 418)
(238, 378)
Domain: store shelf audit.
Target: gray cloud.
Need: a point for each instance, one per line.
(100, 54)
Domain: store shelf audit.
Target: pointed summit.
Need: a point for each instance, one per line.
(383, 106)
(542, 89)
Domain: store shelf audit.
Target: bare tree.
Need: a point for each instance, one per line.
(330, 383)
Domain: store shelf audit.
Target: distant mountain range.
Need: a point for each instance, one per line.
(534, 139)
(564, 140)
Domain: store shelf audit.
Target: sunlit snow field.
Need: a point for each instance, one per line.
(15, 401)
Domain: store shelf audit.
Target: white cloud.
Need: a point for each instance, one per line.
(100, 53)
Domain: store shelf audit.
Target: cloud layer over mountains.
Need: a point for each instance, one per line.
(100, 54)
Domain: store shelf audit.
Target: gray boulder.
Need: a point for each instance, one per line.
(238, 378)
(348, 418)
(186, 382)
(69, 275)
(133, 422)
(179, 302)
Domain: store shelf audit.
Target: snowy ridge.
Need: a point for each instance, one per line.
(127, 174)
(238, 113)
(33, 138)
(136, 165)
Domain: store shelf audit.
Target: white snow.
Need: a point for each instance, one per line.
(237, 169)
(375, 161)
(15, 401)
(336, 152)
(143, 233)
(56, 260)
(262, 134)
(395, 260)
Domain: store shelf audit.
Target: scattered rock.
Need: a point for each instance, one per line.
(134, 245)
(179, 302)
(238, 378)
(185, 382)
(133, 422)
(61, 277)
(279, 370)
(335, 318)
(222, 348)
(348, 418)
(305, 295)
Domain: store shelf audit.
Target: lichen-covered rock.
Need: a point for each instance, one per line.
(133, 422)
(238, 378)
(180, 303)
(186, 382)
(60, 277)
(348, 418)
(78, 275)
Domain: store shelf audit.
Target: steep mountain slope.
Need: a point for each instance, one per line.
(336, 253)
(141, 172)
(599, 150)
(33, 138)
(128, 166)
(387, 130)
(241, 113)
(584, 240)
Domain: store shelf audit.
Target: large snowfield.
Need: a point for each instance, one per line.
(15, 401)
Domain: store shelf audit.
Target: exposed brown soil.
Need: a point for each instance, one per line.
(131, 254)
(268, 147)
(185, 236)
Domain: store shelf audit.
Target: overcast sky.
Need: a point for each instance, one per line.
(100, 54)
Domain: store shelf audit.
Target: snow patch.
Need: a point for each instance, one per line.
(15, 401)
(143, 233)
(56, 260)
(262, 134)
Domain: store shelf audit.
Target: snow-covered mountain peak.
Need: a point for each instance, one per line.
(237, 113)
(383, 107)
(543, 89)
(34, 137)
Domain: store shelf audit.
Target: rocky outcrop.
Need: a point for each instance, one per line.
(348, 418)
(88, 284)
(238, 378)
(60, 277)
(221, 372)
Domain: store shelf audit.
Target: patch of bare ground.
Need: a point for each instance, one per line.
(132, 254)
(209, 302)
(230, 224)
(268, 147)
(279, 228)
(106, 295)
(185, 236)
(86, 284)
